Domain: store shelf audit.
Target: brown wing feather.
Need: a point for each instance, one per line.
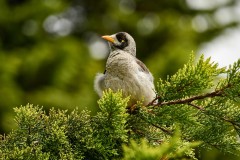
(142, 67)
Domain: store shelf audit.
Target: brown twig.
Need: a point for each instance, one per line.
(162, 129)
(187, 100)
(197, 107)
(226, 119)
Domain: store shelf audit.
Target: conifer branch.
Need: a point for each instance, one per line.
(217, 93)
(196, 106)
(226, 119)
(162, 129)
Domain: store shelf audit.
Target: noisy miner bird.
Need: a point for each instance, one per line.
(125, 72)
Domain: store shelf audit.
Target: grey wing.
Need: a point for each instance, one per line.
(99, 83)
(142, 67)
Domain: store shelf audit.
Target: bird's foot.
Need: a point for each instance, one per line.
(132, 109)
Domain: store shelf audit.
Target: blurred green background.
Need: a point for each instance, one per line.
(50, 50)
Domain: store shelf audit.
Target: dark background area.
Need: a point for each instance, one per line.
(50, 50)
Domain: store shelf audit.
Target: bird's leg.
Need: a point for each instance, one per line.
(153, 102)
(132, 109)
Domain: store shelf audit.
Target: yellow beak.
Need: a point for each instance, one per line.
(108, 38)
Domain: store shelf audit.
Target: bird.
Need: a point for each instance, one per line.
(125, 72)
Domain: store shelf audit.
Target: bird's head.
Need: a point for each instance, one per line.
(121, 41)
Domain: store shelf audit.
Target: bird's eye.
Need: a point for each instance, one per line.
(122, 41)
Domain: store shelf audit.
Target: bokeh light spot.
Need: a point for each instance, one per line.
(97, 47)
(148, 24)
(127, 6)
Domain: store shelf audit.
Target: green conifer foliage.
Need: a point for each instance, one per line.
(195, 108)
